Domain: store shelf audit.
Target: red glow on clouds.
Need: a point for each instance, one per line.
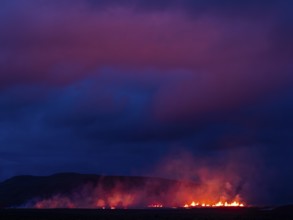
(231, 61)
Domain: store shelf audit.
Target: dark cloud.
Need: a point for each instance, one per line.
(52, 43)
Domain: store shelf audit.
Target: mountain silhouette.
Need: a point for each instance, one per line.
(19, 190)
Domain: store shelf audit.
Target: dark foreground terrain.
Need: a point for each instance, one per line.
(19, 190)
(283, 213)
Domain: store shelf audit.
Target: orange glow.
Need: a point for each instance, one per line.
(155, 205)
(214, 193)
(127, 201)
(218, 204)
(102, 204)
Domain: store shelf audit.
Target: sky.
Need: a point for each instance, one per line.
(132, 87)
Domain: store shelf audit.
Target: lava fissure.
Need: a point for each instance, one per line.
(144, 194)
(105, 192)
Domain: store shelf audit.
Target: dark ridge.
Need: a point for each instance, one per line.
(19, 190)
(144, 214)
(284, 209)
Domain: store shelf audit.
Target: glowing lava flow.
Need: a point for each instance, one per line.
(128, 202)
(101, 204)
(201, 205)
(178, 196)
(219, 204)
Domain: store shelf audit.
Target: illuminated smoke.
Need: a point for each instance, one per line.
(219, 186)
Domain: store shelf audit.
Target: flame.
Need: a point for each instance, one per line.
(56, 202)
(218, 204)
(119, 197)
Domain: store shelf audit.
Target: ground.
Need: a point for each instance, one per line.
(164, 214)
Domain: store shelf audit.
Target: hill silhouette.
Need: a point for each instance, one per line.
(18, 190)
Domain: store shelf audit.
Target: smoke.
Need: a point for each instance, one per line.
(116, 192)
(232, 173)
(200, 180)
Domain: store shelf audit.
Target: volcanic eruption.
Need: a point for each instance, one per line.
(120, 192)
(148, 194)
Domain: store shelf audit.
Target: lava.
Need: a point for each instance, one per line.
(218, 204)
(118, 203)
(149, 194)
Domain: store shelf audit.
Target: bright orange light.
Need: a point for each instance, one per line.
(118, 199)
(218, 204)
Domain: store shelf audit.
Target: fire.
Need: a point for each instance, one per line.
(218, 204)
(150, 195)
(56, 202)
